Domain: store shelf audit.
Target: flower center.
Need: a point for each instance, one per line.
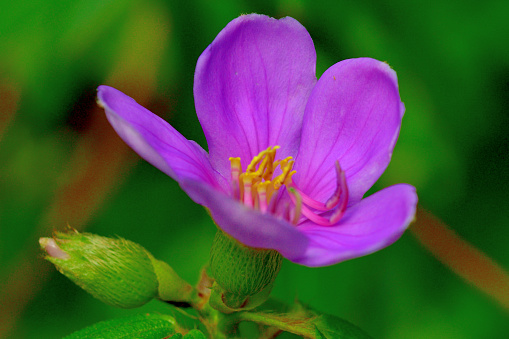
(258, 186)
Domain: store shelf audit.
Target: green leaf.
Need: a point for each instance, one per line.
(195, 334)
(148, 326)
(297, 319)
(331, 327)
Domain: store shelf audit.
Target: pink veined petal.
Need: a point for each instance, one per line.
(251, 86)
(157, 141)
(247, 225)
(353, 115)
(372, 224)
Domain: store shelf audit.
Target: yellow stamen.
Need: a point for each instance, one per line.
(236, 170)
(263, 190)
(284, 178)
(246, 193)
(256, 186)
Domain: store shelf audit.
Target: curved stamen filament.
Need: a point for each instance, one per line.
(336, 203)
(318, 219)
(340, 192)
(284, 178)
(297, 200)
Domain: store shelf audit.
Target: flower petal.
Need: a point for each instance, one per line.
(353, 115)
(251, 86)
(372, 224)
(248, 226)
(155, 140)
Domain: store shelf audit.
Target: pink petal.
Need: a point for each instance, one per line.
(353, 115)
(157, 141)
(370, 225)
(251, 86)
(248, 226)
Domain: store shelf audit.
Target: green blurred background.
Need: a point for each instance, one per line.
(61, 163)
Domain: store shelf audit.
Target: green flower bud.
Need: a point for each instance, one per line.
(118, 272)
(243, 275)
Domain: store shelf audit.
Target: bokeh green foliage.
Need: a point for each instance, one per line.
(452, 61)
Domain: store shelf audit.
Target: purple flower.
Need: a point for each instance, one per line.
(290, 157)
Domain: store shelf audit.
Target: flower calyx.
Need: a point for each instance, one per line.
(243, 275)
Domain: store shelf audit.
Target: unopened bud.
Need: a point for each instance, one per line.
(118, 272)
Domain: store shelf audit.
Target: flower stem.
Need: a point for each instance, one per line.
(462, 257)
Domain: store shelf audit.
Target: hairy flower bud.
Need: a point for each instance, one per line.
(118, 272)
(243, 275)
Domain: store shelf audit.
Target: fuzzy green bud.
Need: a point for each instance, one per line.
(118, 272)
(243, 275)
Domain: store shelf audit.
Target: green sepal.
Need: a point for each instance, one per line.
(241, 272)
(171, 287)
(146, 326)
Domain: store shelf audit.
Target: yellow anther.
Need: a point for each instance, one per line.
(265, 187)
(284, 163)
(256, 186)
(246, 189)
(256, 160)
(269, 169)
(263, 167)
(284, 178)
(288, 179)
(269, 152)
(235, 162)
(236, 168)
